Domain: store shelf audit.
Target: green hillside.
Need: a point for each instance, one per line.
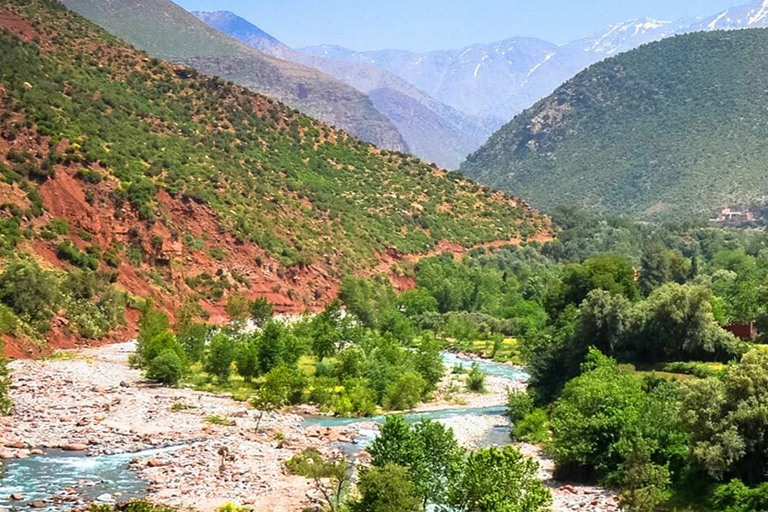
(165, 30)
(175, 185)
(674, 128)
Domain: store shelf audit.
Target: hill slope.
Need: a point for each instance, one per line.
(432, 130)
(673, 128)
(167, 31)
(119, 168)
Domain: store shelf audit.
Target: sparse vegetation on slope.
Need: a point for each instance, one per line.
(179, 185)
(167, 31)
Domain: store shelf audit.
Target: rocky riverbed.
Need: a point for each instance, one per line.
(94, 402)
(91, 401)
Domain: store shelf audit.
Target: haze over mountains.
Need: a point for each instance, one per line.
(432, 130)
(499, 80)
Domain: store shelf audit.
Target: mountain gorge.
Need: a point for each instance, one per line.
(433, 131)
(670, 130)
(167, 31)
(171, 184)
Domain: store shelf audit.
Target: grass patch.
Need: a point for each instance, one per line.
(215, 419)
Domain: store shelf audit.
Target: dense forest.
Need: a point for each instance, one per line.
(671, 129)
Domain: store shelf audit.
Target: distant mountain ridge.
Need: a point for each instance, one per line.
(432, 130)
(165, 30)
(671, 130)
(498, 80)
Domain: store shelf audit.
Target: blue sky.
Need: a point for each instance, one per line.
(440, 24)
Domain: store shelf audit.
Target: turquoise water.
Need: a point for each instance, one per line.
(329, 421)
(42, 477)
(489, 367)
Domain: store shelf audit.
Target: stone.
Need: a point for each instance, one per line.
(74, 447)
(16, 497)
(105, 498)
(7, 455)
(37, 504)
(156, 463)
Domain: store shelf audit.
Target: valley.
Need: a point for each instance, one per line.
(241, 275)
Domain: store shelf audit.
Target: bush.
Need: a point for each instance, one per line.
(533, 427)
(737, 497)
(152, 348)
(68, 252)
(476, 379)
(167, 368)
(405, 392)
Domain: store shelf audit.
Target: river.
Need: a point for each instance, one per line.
(56, 474)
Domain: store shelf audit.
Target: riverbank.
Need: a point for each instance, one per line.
(91, 400)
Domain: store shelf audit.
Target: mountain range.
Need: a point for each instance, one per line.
(671, 130)
(439, 105)
(497, 81)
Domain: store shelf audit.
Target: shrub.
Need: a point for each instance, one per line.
(405, 392)
(166, 368)
(5, 384)
(499, 479)
(66, 251)
(476, 379)
(150, 349)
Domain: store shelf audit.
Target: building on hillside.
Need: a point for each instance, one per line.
(746, 332)
(728, 216)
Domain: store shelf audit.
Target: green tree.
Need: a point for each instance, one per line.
(238, 307)
(727, 420)
(499, 480)
(428, 361)
(604, 320)
(221, 354)
(272, 346)
(677, 323)
(261, 311)
(660, 265)
(595, 411)
(385, 489)
(427, 449)
(247, 358)
(611, 273)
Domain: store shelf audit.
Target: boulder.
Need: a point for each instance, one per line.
(74, 447)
